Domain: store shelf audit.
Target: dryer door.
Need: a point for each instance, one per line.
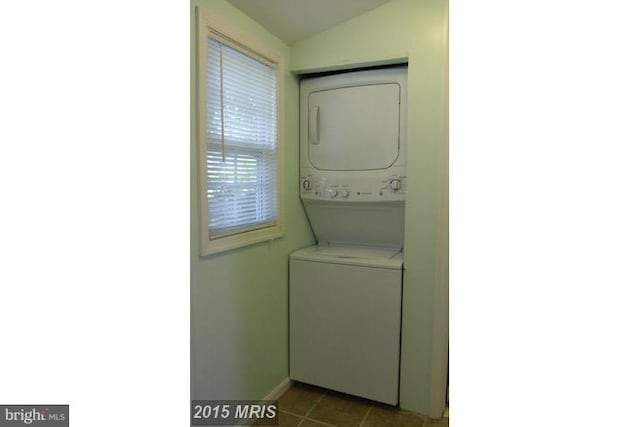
(354, 128)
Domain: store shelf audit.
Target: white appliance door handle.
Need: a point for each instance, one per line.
(314, 130)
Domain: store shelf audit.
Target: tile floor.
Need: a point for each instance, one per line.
(308, 406)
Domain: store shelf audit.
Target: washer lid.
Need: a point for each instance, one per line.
(366, 256)
(370, 225)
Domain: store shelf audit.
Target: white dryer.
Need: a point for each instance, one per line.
(345, 293)
(353, 156)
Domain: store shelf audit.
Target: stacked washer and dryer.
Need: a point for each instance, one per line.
(345, 292)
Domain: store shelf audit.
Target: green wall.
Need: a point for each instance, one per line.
(239, 299)
(239, 332)
(417, 30)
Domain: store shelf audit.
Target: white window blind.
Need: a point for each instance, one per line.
(241, 142)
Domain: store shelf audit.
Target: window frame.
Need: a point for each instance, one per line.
(207, 25)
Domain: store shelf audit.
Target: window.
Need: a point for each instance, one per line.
(240, 152)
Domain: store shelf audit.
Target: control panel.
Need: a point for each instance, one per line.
(370, 189)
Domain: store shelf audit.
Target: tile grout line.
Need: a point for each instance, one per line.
(311, 409)
(321, 422)
(291, 413)
(365, 416)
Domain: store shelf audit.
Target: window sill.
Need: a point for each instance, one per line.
(223, 244)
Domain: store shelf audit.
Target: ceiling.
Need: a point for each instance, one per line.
(293, 20)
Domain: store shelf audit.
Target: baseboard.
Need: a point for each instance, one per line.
(280, 389)
(274, 394)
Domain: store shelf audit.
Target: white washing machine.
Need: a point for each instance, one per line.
(345, 293)
(345, 309)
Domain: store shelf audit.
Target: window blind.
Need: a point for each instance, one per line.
(241, 141)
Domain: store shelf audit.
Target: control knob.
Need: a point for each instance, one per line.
(344, 193)
(332, 192)
(306, 184)
(395, 184)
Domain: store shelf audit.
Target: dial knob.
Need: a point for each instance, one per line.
(332, 192)
(344, 193)
(395, 184)
(306, 184)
